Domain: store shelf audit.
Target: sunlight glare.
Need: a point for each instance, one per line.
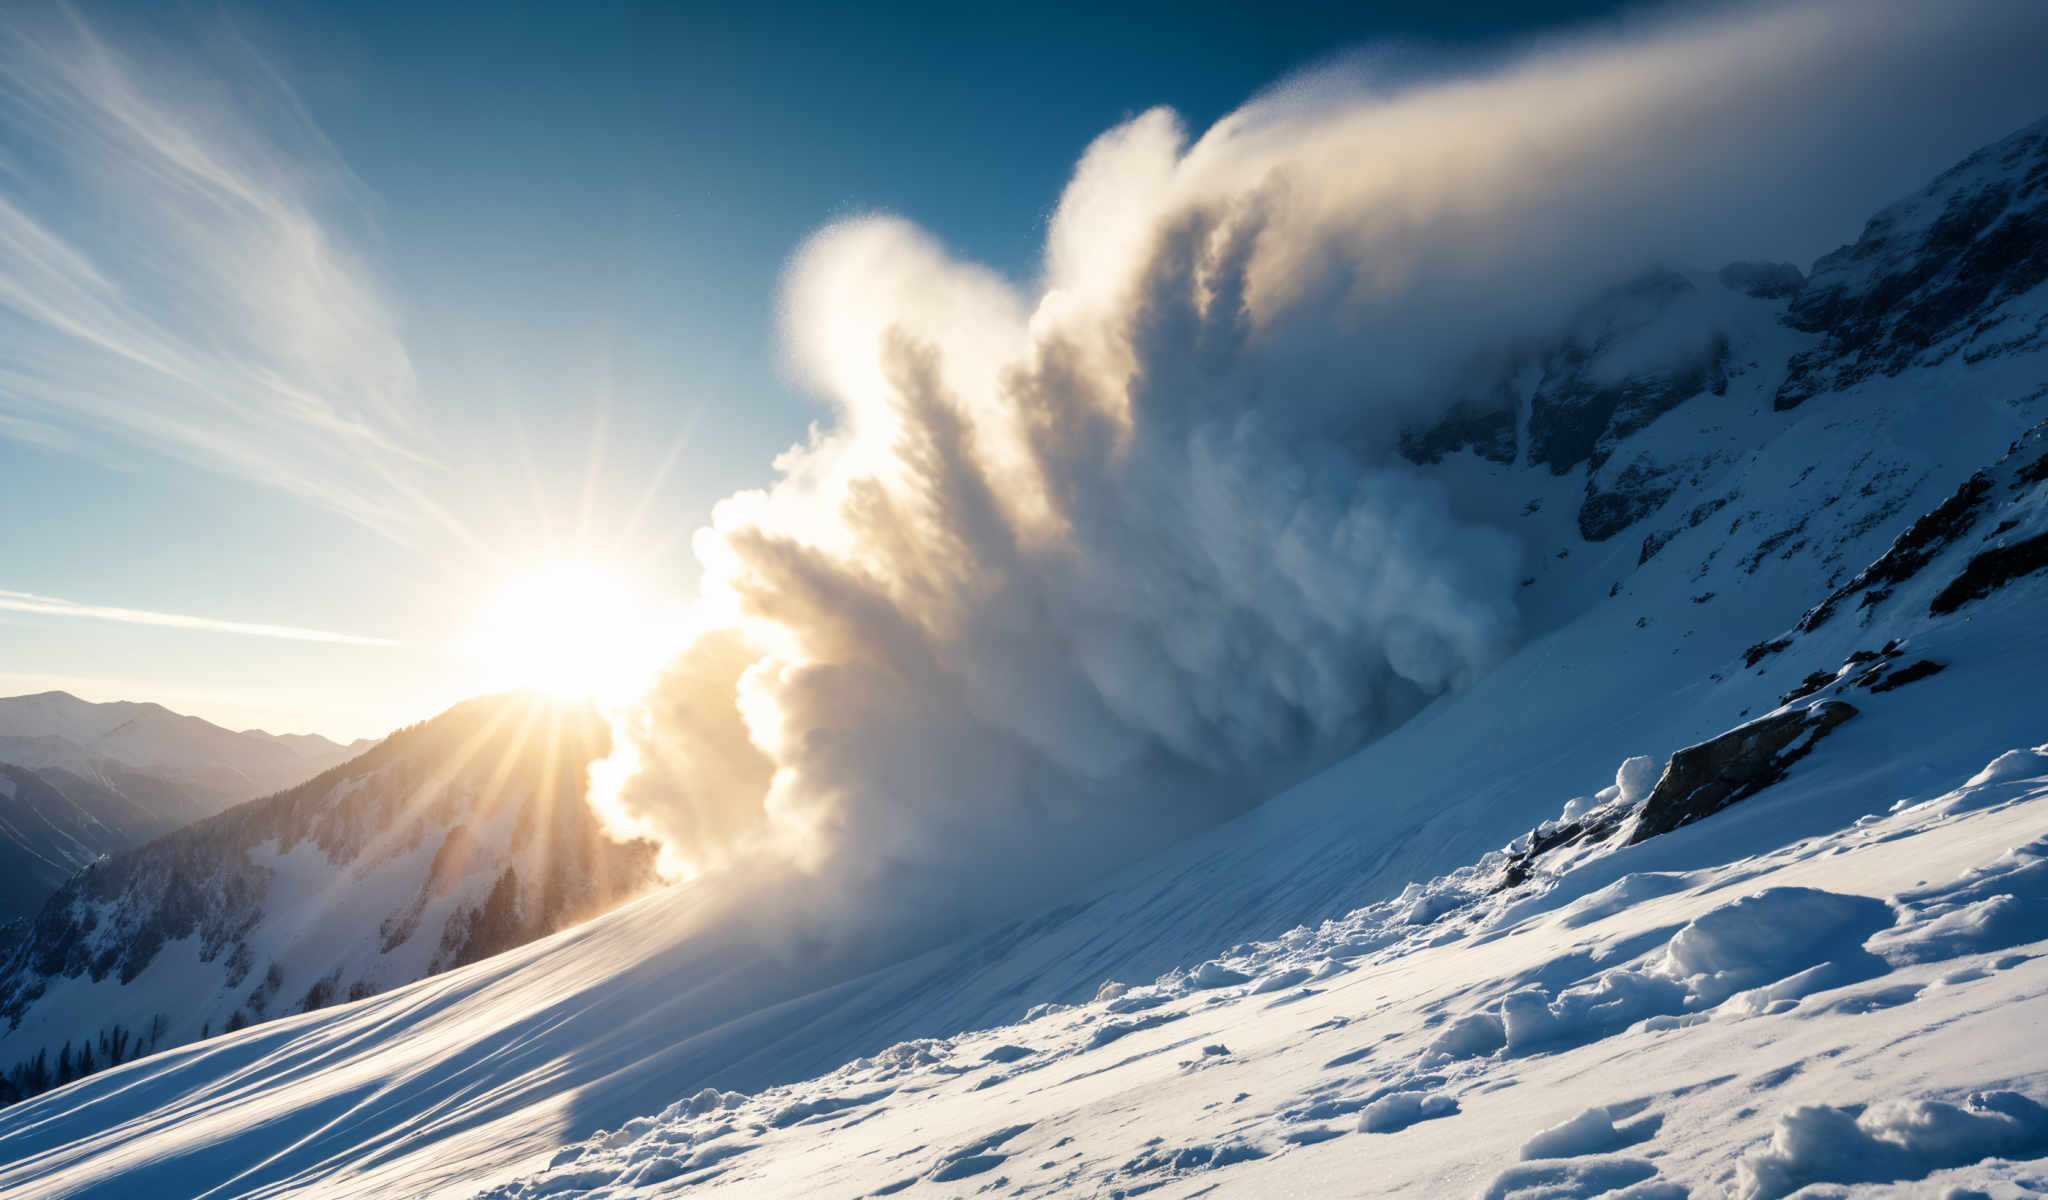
(569, 631)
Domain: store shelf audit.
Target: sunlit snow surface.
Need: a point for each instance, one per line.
(1838, 978)
(1837, 981)
(1734, 1036)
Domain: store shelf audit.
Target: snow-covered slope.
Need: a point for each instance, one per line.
(1493, 921)
(111, 776)
(45, 838)
(448, 842)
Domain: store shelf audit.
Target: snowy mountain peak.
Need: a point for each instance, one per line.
(117, 774)
(57, 729)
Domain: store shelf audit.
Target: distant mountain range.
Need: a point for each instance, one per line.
(447, 842)
(79, 780)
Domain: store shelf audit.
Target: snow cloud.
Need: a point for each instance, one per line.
(1080, 567)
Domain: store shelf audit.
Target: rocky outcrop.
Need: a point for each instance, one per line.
(1925, 539)
(1704, 779)
(1924, 279)
(1485, 428)
(1991, 570)
(1763, 280)
(1584, 404)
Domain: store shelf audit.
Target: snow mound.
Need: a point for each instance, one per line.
(1591, 1132)
(1903, 1140)
(1582, 1179)
(1393, 1113)
(1771, 936)
(2000, 904)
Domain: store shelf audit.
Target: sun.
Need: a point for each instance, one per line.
(570, 631)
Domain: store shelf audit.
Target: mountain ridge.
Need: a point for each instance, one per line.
(468, 830)
(135, 770)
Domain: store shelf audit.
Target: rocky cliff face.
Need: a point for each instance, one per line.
(1656, 398)
(1934, 276)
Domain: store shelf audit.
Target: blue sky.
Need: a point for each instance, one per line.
(574, 220)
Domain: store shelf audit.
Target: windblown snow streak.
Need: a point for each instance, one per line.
(1079, 568)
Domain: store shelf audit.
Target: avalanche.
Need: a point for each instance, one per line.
(1731, 879)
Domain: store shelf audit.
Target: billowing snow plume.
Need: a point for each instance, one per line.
(1078, 568)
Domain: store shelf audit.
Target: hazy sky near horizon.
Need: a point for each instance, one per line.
(325, 318)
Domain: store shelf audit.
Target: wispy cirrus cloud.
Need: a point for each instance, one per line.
(178, 274)
(52, 606)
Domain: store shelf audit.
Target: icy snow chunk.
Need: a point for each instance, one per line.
(1591, 1132)
(1138, 1000)
(1474, 1036)
(1635, 778)
(657, 1171)
(711, 1100)
(1393, 1113)
(1611, 1003)
(1213, 974)
(1775, 946)
(1430, 905)
(628, 1133)
(1903, 1140)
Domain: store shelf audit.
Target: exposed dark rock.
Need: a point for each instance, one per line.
(1634, 494)
(1808, 686)
(1925, 273)
(1704, 779)
(1763, 280)
(1591, 828)
(1579, 412)
(1487, 430)
(1911, 673)
(1574, 418)
(1990, 571)
(1763, 650)
(1914, 549)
